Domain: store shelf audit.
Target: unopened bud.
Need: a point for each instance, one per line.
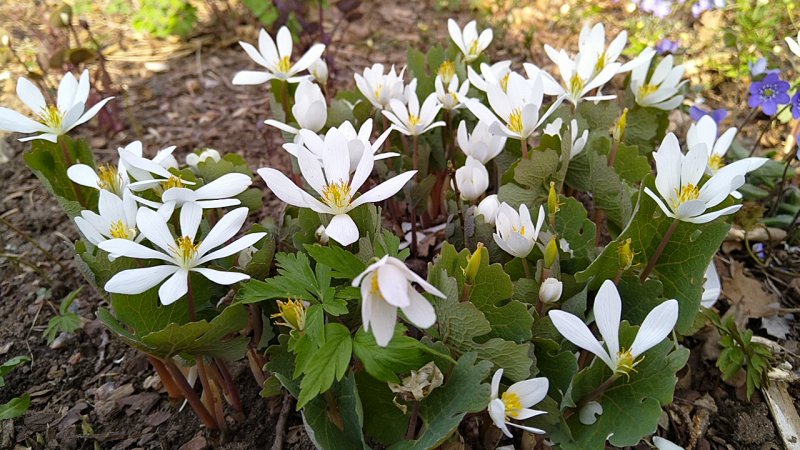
(625, 254)
(550, 290)
(552, 200)
(473, 264)
(293, 313)
(551, 252)
(619, 129)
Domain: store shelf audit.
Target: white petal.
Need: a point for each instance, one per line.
(31, 95)
(130, 249)
(656, 326)
(154, 227)
(531, 391)
(383, 317)
(225, 228)
(83, 175)
(384, 190)
(498, 375)
(136, 281)
(497, 411)
(174, 288)
(249, 77)
(342, 229)
(607, 312)
(575, 331)
(393, 285)
(190, 218)
(253, 53)
(89, 231)
(282, 187)
(284, 41)
(228, 185)
(234, 247)
(85, 117)
(419, 311)
(11, 120)
(221, 277)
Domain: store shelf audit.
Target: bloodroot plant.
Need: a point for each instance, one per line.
(531, 318)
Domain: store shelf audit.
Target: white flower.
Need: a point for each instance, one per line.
(116, 219)
(319, 70)
(386, 286)
(515, 402)
(678, 181)
(712, 287)
(481, 144)
(193, 159)
(309, 110)
(411, 119)
(661, 90)
(52, 120)
(550, 290)
(516, 113)
(452, 97)
(704, 133)
(116, 179)
(472, 179)
(577, 143)
(794, 44)
(378, 88)
(488, 208)
(215, 194)
(182, 254)
(516, 234)
(357, 142)
(468, 41)
(276, 59)
(553, 128)
(331, 180)
(666, 444)
(497, 73)
(607, 312)
(578, 75)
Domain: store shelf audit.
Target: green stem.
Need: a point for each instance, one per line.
(651, 263)
(524, 147)
(526, 267)
(594, 395)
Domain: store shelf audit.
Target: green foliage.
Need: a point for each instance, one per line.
(739, 352)
(264, 11)
(65, 321)
(19, 405)
(328, 362)
(164, 18)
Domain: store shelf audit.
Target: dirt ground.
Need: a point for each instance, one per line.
(91, 391)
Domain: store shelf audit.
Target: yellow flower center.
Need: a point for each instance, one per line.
(515, 122)
(293, 312)
(172, 182)
(413, 121)
(512, 403)
(626, 363)
(374, 288)
(647, 89)
(118, 230)
(504, 82)
(337, 195)
(378, 91)
(185, 249)
(576, 84)
(51, 117)
(473, 48)
(601, 63)
(626, 254)
(109, 179)
(520, 230)
(284, 65)
(715, 162)
(447, 71)
(686, 193)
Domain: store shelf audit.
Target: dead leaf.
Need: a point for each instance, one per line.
(747, 296)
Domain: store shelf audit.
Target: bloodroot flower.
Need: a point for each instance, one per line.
(515, 403)
(769, 93)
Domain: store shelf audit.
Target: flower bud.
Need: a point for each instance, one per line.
(472, 179)
(625, 254)
(473, 264)
(552, 200)
(619, 129)
(293, 313)
(319, 70)
(550, 290)
(322, 236)
(551, 252)
(488, 208)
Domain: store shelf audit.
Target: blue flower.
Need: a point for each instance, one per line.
(769, 93)
(796, 105)
(665, 46)
(705, 5)
(658, 8)
(718, 114)
(760, 250)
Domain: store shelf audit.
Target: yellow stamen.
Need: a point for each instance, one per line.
(515, 122)
(284, 65)
(504, 82)
(447, 71)
(576, 84)
(172, 182)
(715, 162)
(626, 363)
(686, 193)
(512, 403)
(647, 89)
(413, 121)
(185, 249)
(601, 63)
(337, 195)
(120, 231)
(473, 48)
(520, 230)
(109, 179)
(51, 117)
(378, 91)
(293, 312)
(626, 254)
(375, 289)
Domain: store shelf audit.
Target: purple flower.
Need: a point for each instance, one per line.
(658, 8)
(718, 114)
(769, 93)
(760, 250)
(665, 46)
(796, 105)
(757, 68)
(704, 5)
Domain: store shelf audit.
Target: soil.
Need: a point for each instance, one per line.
(89, 390)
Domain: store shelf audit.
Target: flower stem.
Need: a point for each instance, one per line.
(524, 147)
(287, 113)
(612, 155)
(411, 432)
(194, 401)
(651, 263)
(173, 391)
(415, 156)
(526, 267)
(594, 395)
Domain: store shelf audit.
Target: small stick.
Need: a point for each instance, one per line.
(280, 426)
(194, 401)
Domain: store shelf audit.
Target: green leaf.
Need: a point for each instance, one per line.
(383, 420)
(590, 170)
(328, 363)
(463, 392)
(335, 422)
(15, 407)
(384, 363)
(630, 165)
(344, 264)
(9, 365)
(645, 128)
(572, 224)
(295, 279)
(531, 179)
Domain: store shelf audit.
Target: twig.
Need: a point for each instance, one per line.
(280, 426)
